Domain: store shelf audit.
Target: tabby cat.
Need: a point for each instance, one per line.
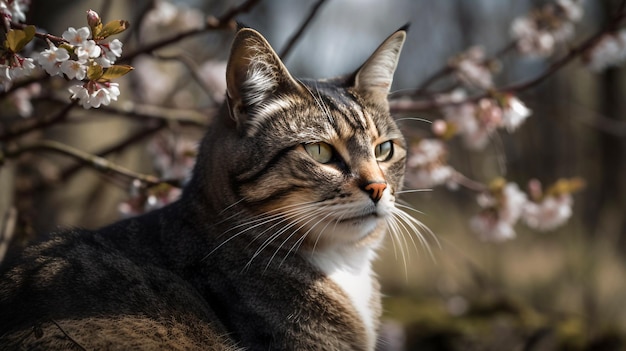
(270, 245)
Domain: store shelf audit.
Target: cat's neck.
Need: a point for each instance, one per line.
(350, 268)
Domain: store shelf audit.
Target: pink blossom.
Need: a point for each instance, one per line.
(427, 165)
(502, 208)
(173, 157)
(472, 69)
(549, 213)
(490, 228)
(21, 99)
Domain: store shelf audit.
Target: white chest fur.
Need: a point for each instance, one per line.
(352, 271)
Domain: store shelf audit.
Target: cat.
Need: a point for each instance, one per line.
(270, 245)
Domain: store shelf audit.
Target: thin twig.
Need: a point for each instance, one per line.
(193, 69)
(53, 38)
(138, 20)
(36, 78)
(118, 147)
(143, 112)
(296, 36)
(29, 125)
(99, 163)
(223, 22)
(404, 105)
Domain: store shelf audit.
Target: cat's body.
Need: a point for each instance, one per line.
(270, 246)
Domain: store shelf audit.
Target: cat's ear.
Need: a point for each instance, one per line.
(254, 75)
(374, 77)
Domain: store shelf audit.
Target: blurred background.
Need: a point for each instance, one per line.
(556, 290)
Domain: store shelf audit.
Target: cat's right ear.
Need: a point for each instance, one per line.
(254, 76)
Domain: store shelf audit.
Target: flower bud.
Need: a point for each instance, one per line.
(93, 19)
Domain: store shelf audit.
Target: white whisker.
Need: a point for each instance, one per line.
(414, 191)
(418, 119)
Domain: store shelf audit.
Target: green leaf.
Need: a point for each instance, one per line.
(95, 72)
(111, 28)
(16, 39)
(116, 71)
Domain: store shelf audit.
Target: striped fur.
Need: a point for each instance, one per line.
(270, 246)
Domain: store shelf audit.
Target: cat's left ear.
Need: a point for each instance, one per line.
(255, 76)
(373, 79)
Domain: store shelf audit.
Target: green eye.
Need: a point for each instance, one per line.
(383, 151)
(320, 152)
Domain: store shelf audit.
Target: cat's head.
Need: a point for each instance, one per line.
(320, 161)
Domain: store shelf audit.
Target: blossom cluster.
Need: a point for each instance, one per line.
(86, 54)
(173, 159)
(427, 164)
(609, 51)
(541, 31)
(477, 121)
(473, 69)
(504, 204)
(14, 10)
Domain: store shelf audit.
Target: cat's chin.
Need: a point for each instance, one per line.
(348, 232)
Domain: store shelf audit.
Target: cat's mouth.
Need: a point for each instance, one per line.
(360, 218)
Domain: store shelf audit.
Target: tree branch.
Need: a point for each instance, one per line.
(296, 36)
(99, 163)
(29, 125)
(223, 22)
(404, 105)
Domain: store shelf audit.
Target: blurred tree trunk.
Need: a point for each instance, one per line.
(609, 218)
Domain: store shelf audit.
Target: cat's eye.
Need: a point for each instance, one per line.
(320, 152)
(384, 151)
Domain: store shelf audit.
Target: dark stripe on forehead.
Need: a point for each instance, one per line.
(347, 108)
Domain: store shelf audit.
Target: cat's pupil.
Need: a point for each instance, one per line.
(384, 151)
(320, 152)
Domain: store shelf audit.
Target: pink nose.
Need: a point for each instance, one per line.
(375, 190)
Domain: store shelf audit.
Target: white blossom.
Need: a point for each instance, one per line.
(514, 114)
(427, 164)
(550, 213)
(21, 99)
(502, 209)
(5, 77)
(609, 51)
(513, 202)
(23, 67)
(530, 39)
(88, 49)
(538, 33)
(15, 9)
(425, 152)
(82, 94)
(112, 50)
(573, 9)
(104, 95)
(74, 69)
(490, 228)
(51, 59)
(471, 68)
(77, 37)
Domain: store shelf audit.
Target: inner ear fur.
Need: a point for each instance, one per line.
(373, 79)
(254, 74)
